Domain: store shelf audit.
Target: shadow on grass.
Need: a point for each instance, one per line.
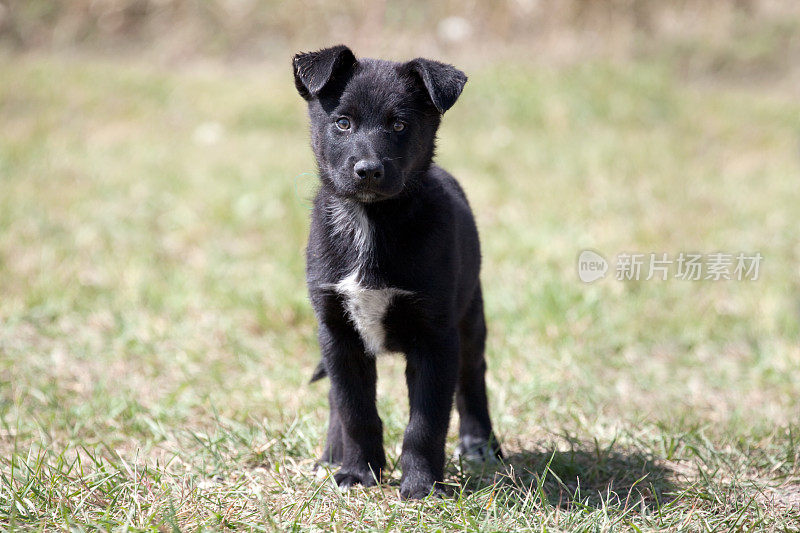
(580, 477)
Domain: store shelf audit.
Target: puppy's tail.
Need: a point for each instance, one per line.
(319, 372)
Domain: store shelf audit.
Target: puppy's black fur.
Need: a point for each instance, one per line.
(393, 264)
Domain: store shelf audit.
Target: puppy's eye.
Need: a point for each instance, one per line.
(343, 123)
(398, 125)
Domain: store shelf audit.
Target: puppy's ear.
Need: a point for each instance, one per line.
(443, 82)
(313, 70)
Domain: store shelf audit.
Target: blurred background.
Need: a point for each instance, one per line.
(155, 179)
(738, 38)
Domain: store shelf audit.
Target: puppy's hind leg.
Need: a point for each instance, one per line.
(334, 446)
(477, 441)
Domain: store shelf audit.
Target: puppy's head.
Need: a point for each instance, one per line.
(373, 122)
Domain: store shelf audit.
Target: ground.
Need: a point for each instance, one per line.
(156, 339)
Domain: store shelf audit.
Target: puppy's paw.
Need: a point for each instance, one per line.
(346, 478)
(411, 489)
(478, 450)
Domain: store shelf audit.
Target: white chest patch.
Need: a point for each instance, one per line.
(367, 309)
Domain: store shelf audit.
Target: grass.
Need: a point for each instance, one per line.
(156, 339)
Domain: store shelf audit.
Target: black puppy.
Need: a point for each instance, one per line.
(393, 264)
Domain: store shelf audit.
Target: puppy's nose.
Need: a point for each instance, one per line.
(370, 169)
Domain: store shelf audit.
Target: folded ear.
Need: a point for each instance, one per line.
(313, 70)
(443, 82)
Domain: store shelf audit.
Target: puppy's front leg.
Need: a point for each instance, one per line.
(353, 377)
(431, 374)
